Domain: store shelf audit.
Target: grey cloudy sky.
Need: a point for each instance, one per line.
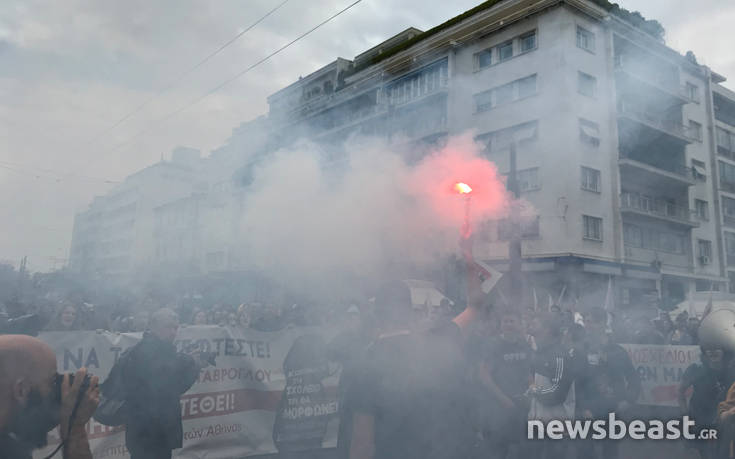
(69, 70)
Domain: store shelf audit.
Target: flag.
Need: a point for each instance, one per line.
(489, 275)
(609, 303)
(503, 298)
(692, 310)
(535, 300)
(551, 303)
(708, 308)
(561, 295)
(578, 319)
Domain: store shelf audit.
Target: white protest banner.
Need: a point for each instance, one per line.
(660, 368)
(269, 392)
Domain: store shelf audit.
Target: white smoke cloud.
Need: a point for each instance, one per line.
(365, 218)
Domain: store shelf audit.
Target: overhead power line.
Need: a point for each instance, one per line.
(186, 73)
(42, 173)
(231, 79)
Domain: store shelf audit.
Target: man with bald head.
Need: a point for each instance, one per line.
(155, 376)
(31, 403)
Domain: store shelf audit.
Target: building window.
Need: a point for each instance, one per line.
(528, 41)
(527, 86)
(632, 235)
(419, 83)
(591, 179)
(704, 249)
(506, 93)
(505, 51)
(699, 170)
(484, 58)
(701, 209)
(585, 39)
(586, 84)
(730, 248)
(695, 129)
(728, 211)
(725, 142)
(731, 278)
(650, 239)
(702, 285)
(692, 92)
(528, 179)
(484, 101)
(727, 176)
(589, 132)
(592, 227)
(529, 228)
(500, 140)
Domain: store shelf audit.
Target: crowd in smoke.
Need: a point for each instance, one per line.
(501, 384)
(329, 235)
(72, 314)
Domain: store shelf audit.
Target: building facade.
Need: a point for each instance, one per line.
(722, 135)
(114, 237)
(612, 131)
(625, 149)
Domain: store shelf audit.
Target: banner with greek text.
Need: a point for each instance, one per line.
(269, 392)
(660, 368)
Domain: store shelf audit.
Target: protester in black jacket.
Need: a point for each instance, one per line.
(155, 376)
(610, 383)
(556, 370)
(708, 383)
(410, 400)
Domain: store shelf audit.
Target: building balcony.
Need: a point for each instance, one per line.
(672, 174)
(656, 208)
(727, 186)
(725, 151)
(661, 82)
(632, 113)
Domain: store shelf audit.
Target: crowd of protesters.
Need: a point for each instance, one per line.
(521, 363)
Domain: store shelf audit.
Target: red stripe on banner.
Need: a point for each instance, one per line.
(234, 401)
(664, 393)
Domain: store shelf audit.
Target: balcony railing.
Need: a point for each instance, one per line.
(671, 167)
(654, 121)
(656, 207)
(659, 80)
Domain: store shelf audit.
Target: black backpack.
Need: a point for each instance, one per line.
(111, 410)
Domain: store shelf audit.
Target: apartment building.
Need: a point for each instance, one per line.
(114, 238)
(722, 121)
(611, 129)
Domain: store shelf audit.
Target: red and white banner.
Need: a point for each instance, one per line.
(270, 391)
(660, 368)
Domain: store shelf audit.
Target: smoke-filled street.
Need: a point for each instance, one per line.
(372, 229)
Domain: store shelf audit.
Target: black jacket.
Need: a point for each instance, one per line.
(10, 448)
(155, 376)
(563, 367)
(609, 378)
